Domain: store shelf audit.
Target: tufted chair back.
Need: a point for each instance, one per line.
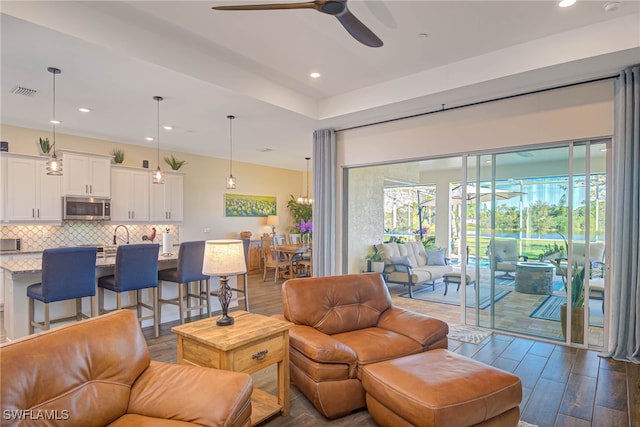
(334, 305)
(73, 368)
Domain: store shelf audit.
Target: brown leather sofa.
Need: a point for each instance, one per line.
(342, 323)
(98, 372)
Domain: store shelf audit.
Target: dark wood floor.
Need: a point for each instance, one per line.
(562, 386)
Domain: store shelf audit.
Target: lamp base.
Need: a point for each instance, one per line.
(225, 320)
(224, 296)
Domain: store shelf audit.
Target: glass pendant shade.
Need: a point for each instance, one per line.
(231, 181)
(158, 176)
(54, 164)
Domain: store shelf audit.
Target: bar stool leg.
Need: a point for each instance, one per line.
(207, 285)
(47, 320)
(31, 315)
(182, 289)
(139, 303)
(93, 308)
(154, 302)
(159, 298)
(78, 309)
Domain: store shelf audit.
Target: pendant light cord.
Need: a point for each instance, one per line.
(54, 113)
(158, 99)
(231, 144)
(307, 159)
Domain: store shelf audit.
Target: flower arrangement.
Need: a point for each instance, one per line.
(304, 227)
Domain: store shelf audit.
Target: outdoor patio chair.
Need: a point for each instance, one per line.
(505, 257)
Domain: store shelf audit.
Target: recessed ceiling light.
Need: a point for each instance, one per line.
(603, 149)
(566, 3)
(55, 122)
(149, 138)
(488, 161)
(314, 75)
(167, 127)
(84, 110)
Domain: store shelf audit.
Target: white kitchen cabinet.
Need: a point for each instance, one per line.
(167, 198)
(30, 194)
(129, 194)
(86, 175)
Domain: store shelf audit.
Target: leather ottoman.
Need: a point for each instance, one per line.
(441, 388)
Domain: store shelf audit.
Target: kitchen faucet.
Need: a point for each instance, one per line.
(115, 232)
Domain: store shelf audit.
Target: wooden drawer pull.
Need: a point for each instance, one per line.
(260, 355)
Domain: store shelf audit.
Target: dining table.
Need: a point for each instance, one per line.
(290, 251)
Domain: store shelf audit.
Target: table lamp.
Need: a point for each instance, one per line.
(224, 258)
(273, 220)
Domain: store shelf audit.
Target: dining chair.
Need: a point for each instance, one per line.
(295, 239)
(272, 260)
(136, 269)
(67, 273)
(188, 270)
(280, 239)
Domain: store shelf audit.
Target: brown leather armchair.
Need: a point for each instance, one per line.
(98, 372)
(342, 323)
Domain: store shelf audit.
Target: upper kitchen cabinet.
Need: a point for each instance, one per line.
(167, 199)
(86, 175)
(129, 194)
(29, 194)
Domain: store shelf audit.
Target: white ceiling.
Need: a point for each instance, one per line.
(115, 56)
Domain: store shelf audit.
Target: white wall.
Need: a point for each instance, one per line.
(578, 112)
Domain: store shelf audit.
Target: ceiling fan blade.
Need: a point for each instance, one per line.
(304, 5)
(358, 30)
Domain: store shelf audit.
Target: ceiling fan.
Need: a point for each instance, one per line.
(337, 8)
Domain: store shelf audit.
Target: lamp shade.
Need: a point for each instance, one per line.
(273, 220)
(223, 258)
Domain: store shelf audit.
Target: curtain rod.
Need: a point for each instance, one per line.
(486, 101)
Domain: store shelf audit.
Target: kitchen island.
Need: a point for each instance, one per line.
(19, 274)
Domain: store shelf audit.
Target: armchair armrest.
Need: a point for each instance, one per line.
(192, 394)
(417, 326)
(320, 347)
(524, 257)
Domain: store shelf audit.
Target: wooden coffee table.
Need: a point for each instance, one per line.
(252, 343)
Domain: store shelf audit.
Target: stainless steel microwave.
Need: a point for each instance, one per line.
(86, 209)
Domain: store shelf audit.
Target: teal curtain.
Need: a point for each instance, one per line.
(625, 243)
(324, 202)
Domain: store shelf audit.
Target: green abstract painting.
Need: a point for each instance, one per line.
(243, 205)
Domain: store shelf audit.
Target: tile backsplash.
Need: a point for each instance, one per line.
(73, 233)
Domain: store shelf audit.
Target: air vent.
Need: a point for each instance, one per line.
(24, 91)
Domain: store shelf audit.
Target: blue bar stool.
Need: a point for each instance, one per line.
(67, 273)
(189, 270)
(136, 269)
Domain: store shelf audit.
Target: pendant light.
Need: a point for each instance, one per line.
(158, 177)
(54, 164)
(231, 181)
(306, 200)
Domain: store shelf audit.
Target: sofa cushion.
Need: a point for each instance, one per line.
(398, 261)
(68, 368)
(336, 304)
(390, 345)
(322, 371)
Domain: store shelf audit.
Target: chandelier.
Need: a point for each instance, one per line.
(306, 200)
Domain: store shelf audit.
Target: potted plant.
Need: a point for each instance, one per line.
(576, 282)
(375, 257)
(174, 163)
(118, 155)
(44, 146)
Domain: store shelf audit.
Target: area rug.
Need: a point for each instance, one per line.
(467, 333)
(453, 297)
(549, 309)
(525, 424)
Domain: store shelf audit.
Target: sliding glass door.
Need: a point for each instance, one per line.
(534, 226)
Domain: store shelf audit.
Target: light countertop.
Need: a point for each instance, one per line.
(34, 265)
